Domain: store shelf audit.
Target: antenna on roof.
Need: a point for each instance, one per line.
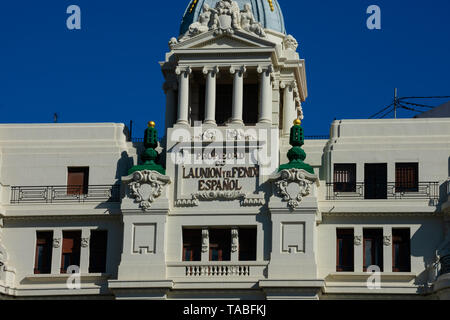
(55, 118)
(399, 103)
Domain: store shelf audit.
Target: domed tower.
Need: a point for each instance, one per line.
(234, 64)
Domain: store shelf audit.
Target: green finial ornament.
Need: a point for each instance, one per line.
(296, 154)
(149, 155)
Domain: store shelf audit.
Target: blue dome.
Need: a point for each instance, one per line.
(270, 18)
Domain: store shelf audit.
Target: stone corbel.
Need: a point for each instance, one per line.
(146, 186)
(387, 240)
(56, 242)
(357, 240)
(293, 196)
(84, 242)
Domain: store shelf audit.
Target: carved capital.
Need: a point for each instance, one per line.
(238, 69)
(265, 69)
(146, 186)
(183, 70)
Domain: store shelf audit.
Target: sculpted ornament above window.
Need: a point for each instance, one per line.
(224, 19)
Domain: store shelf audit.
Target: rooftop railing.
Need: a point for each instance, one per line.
(64, 194)
(387, 191)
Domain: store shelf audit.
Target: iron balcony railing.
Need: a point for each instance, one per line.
(387, 191)
(65, 194)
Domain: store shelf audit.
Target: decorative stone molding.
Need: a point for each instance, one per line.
(283, 181)
(357, 240)
(224, 18)
(250, 201)
(265, 69)
(205, 240)
(218, 195)
(290, 43)
(185, 203)
(387, 240)
(84, 242)
(56, 242)
(146, 186)
(234, 240)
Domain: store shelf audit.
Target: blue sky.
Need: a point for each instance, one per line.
(109, 72)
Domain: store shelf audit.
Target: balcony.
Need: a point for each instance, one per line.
(386, 191)
(240, 271)
(64, 194)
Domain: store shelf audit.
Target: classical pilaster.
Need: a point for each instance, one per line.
(170, 88)
(238, 94)
(84, 254)
(210, 94)
(205, 245)
(289, 109)
(358, 249)
(265, 106)
(183, 95)
(235, 244)
(57, 251)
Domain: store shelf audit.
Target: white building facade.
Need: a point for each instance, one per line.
(226, 206)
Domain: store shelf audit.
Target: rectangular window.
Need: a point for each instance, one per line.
(220, 244)
(77, 180)
(247, 244)
(345, 177)
(192, 245)
(375, 181)
(344, 250)
(71, 250)
(373, 248)
(224, 102)
(44, 249)
(98, 245)
(401, 250)
(406, 177)
(251, 100)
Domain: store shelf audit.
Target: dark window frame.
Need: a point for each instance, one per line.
(98, 251)
(401, 250)
(344, 186)
(192, 245)
(407, 177)
(345, 249)
(75, 189)
(43, 264)
(374, 236)
(73, 253)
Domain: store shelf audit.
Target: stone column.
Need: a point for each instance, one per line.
(210, 95)
(169, 89)
(183, 95)
(289, 109)
(234, 244)
(238, 94)
(205, 245)
(84, 254)
(265, 106)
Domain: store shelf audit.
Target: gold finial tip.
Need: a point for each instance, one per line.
(297, 122)
(151, 124)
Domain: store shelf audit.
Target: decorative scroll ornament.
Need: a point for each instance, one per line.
(146, 186)
(219, 195)
(225, 18)
(293, 185)
(358, 240)
(387, 240)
